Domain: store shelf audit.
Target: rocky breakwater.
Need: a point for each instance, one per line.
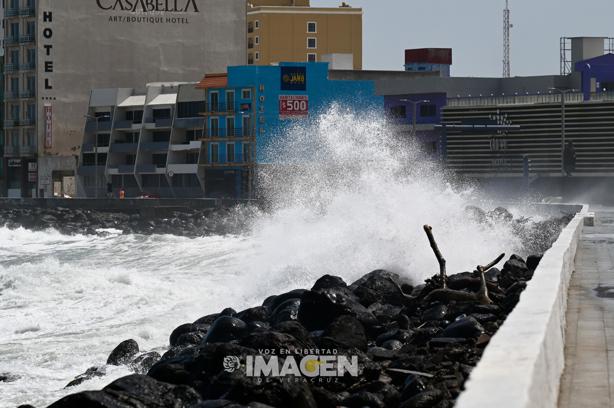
(191, 223)
(377, 342)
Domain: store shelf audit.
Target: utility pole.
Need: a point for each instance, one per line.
(563, 92)
(506, 41)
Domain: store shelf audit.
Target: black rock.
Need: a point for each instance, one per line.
(273, 302)
(293, 328)
(286, 311)
(90, 373)
(319, 309)
(226, 328)
(143, 363)
(412, 386)
(533, 261)
(380, 353)
(9, 377)
(437, 312)
(140, 390)
(273, 340)
(364, 399)
(259, 313)
(207, 320)
(181, 330)
(392, 344)
(348, 332)
(379, 286)
(427, 399)
(328, 281)
(464, 327)
(229, 311)
(123, 353)
(191, 338)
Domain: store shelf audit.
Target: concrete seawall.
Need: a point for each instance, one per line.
(522, 365)
(127, 205)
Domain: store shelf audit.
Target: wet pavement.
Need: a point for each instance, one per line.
(588, 380)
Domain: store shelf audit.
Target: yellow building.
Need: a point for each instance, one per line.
(292, 31)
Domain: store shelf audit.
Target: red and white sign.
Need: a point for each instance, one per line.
(48, 127)
(293, 106)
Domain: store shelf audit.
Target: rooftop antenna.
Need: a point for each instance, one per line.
(506, 40)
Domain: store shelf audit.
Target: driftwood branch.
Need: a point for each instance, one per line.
(482, 295)
(493, 263)
(442, 262)
(459, 295)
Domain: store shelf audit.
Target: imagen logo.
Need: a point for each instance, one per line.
(287, 363)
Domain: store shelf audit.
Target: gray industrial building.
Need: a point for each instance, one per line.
(57, 51)
(486, 127)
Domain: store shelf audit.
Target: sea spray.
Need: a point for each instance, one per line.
(344, 195)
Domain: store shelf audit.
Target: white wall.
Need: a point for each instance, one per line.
(523, 364)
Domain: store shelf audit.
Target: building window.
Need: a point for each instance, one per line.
(312, 27)
(189, 109)
(215, 153)
(398, 112)
(257, 24)
(257, 56)
(230, 152)
(428, 110)
(246, 94)
(230, 126)
(230, 100)
(246, 152)
(257, 40)
(250, 59)
(312, 57)
(247, 125)
(250, 27)
(312, 43)
(214, 127)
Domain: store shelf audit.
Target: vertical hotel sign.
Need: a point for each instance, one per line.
(48, 126)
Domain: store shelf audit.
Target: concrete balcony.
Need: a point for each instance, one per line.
(25, 39)
(30, 66)
(90, 148)
(11, 68)
(154, 147)
(163, 123)
(124, 148)
(100, 126)
(122, 169)
(150, 169)
(193, 145)
(27, 12)
(8, 13)
(126, 125)
(189, 123)
(26, 122)
(182, 169)
(27, 95)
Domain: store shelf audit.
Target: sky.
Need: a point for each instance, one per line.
(474, 30)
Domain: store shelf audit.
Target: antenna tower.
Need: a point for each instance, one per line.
(506, 40)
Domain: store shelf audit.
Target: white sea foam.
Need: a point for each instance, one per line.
(349, 198)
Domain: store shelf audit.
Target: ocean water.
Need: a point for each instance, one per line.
(67, 301)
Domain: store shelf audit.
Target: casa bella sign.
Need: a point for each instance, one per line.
(149, 6)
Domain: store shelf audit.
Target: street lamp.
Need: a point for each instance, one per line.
(415, 112)
(563, 92)
(97, 119)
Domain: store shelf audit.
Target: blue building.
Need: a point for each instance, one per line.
(205, 139)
